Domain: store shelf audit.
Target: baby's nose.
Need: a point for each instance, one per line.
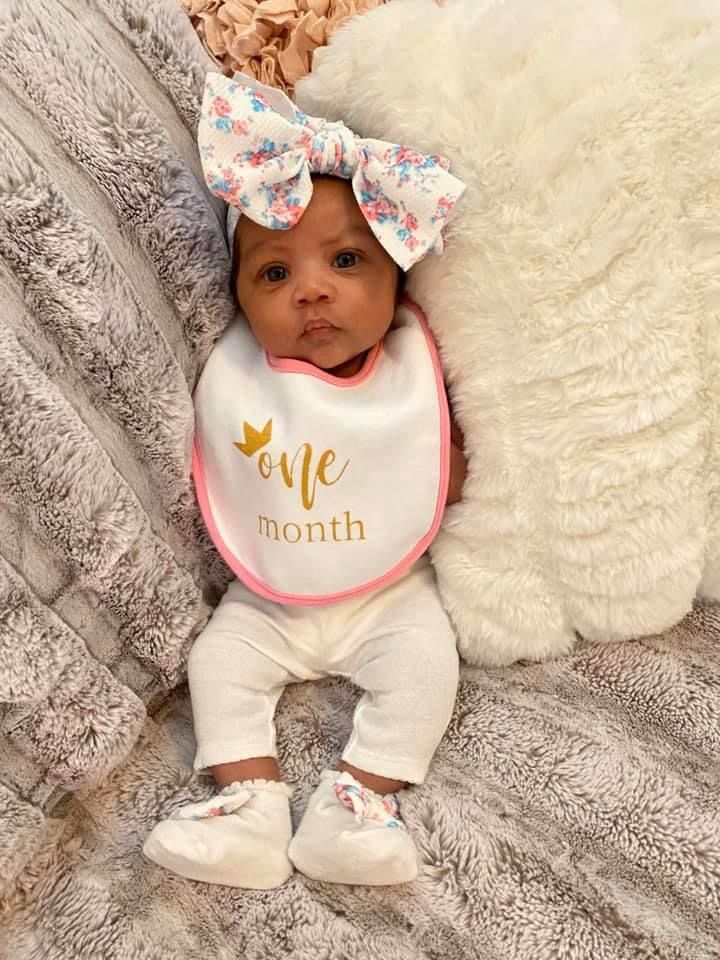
(314, 288)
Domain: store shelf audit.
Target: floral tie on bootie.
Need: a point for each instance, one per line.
(227, 801)
(366, 804)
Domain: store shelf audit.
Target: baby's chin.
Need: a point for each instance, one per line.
(337, 363)
(348, 368)
(332, 357)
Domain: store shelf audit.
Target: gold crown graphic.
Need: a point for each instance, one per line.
(255, 439)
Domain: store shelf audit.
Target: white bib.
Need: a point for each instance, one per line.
(315, 488)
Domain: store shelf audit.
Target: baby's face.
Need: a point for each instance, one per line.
(324, 291)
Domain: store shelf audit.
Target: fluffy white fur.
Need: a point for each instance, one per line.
(577, 304)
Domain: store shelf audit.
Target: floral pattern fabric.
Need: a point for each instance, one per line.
(258, 153)
(366, 804)
(227, 801)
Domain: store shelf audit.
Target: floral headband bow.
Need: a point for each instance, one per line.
(258, 153)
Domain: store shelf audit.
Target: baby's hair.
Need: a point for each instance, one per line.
(235, 250)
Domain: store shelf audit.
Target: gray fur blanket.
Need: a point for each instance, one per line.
(113, 284)
(574, 807)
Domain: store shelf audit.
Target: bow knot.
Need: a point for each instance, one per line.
(259, 151)
(333, 150)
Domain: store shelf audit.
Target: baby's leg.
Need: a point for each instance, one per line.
(401, 649)
(238, 667)
(237, 670)
(407, 664)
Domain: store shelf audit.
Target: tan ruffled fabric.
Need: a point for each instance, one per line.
(271, 40)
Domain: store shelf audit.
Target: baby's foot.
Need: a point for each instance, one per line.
(351, 835)
(238, 838)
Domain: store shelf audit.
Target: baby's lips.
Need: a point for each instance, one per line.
(317, 324)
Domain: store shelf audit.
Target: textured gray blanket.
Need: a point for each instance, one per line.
(574, 807)
(113, 285)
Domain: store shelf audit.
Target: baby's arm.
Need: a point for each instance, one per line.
(458, 463)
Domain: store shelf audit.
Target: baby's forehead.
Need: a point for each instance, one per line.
(327, 229)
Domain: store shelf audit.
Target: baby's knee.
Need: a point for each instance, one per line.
(214, 651)
(202, 657)
(435, 663)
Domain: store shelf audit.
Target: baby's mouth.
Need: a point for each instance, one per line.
(317, 323)
(319, 329)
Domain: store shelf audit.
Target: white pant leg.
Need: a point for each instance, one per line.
(400, 648)
(238, 667)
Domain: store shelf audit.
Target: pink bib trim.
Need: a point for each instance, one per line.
(285, 365)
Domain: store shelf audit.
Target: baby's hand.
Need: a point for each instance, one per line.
(458, 463)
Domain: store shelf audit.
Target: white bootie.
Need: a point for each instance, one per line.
(238, 838)
(351, 835)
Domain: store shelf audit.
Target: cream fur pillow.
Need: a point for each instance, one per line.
(577, 303)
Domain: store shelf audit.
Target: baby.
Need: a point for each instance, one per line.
(323, 461)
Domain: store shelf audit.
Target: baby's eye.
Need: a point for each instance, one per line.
(346, 259)
(275, 274)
